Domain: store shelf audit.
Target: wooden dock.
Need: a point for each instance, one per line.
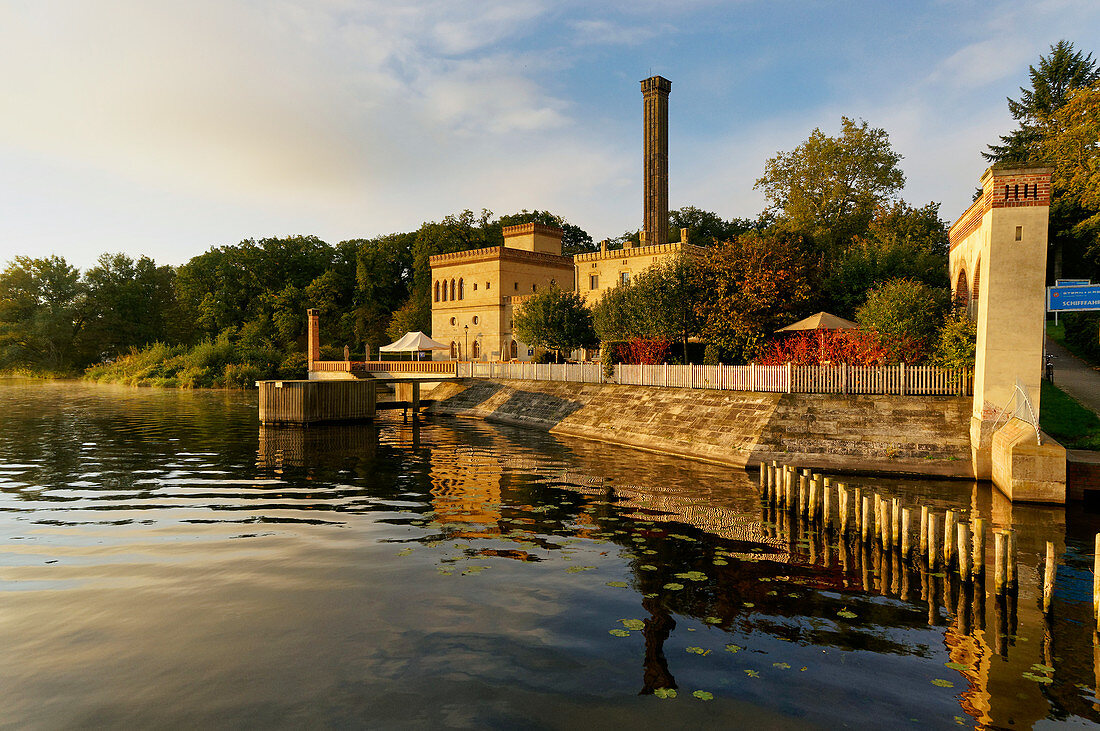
(319, 402)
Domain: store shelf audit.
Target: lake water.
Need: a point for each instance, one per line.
(167, 562)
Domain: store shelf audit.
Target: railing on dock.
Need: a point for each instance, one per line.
(902, 380)
(442, 367)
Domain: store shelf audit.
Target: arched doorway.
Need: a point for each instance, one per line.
(513, 350)
(477, 350)
(962, 291)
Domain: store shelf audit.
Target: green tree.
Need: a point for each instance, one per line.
(574, 240)
(1057, 76)
(704, 227)
(1070, 144)
(555, 320)
(901, 242)
(829, 187)
(41, 301)
(956, 342)
(127, 304)
(664, 297)
(753, 284)
(906, 314)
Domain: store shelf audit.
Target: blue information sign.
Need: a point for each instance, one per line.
(1068, 299)
(1072, 282)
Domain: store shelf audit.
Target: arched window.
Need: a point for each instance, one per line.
(513, 350)
(962, 291)
(443, 297)
(460, 289)
(452, 289)
(454, 350)
(977, 279)
(437, 290)
(477, 349)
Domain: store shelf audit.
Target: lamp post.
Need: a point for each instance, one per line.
(467, 329)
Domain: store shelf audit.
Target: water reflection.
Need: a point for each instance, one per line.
(406, 568)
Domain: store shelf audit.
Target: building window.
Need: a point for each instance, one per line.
(475, 319)
(461, 288)
(437, 290)
(624, 278)
(475, 286)
(454, 321)
(1019, 233)
(452, 289)
(593, 281)
(486, 285)
(454, 350)
(534, 288)
(517, 286)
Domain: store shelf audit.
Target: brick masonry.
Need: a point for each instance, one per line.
(894, 434)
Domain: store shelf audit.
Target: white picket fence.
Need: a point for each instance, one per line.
(903, 380)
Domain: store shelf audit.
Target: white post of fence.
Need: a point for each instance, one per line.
(752, 376)
(901, 385)
(788, 374)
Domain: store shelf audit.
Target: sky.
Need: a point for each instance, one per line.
(165, 128)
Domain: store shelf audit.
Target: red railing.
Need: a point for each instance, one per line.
(441, 367)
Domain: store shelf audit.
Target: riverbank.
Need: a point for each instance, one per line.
(210, 364)
(878, 434)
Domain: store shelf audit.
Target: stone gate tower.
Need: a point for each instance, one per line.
(655, 91)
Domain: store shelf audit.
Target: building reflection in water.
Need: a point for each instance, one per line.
(677, 517)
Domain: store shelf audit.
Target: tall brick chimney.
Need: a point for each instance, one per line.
(313, 337)
(655, 91)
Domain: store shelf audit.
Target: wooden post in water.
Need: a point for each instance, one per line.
(1010, 563)
(878, 515)
(814, 492)
(803, 494)
(826, 504)
(884, 529)
(979, 546)
(923, 545)
(1048, 579)
(999, 562)
(905, 532)
(1096, 585)
(895, 521)
(933, 558)
(858, 495)
(842, 499)
(963, 530)
(866, 519)
(948, 539)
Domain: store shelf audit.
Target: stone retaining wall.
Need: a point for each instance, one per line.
(901, 434)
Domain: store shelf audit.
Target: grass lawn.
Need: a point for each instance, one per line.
(1060, 416)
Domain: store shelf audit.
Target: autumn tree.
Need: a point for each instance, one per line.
(829, 187)
(1071, 145)
(906, 314)
(555, 320)
(752, 285)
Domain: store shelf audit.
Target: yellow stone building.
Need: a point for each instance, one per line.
(599, 271)
(473, 292)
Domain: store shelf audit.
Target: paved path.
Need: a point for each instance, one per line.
(1075, 376)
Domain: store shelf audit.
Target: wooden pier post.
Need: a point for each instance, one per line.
(895, 521)
(842, 499)
(923, 544)
(1010, 563)
(999, 563)
(858, 495)
(905, 532)
(804, 494)
(1096, 585)
(963, 530)
(948, 539)
(814, 493)
(884, 530)
(1048, 579)
(866, 519)
(827, 505)
(933, 557)
(979, 546)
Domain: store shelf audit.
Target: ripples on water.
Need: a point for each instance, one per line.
(167, 562)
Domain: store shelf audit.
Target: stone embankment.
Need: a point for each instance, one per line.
(927, 435)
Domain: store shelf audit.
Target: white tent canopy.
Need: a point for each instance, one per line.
(412, 342)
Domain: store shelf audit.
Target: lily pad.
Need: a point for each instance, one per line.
(1042, 668)
(665, 692)
(748, 605)
(692, 575)
(703, 695)
(713, 620)
(847, 614)
(651, 595)
(632, 623)
(734, 648)
(781, 665)
(943, 683)
(578, 569)
(406, 552)
(752, 673)
(772, 593)
(956, 666)
(697, 651)
(1038, 678)
(673, 586)
(720, 562)
(618, 632)
(648, 567)
(617, 584)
